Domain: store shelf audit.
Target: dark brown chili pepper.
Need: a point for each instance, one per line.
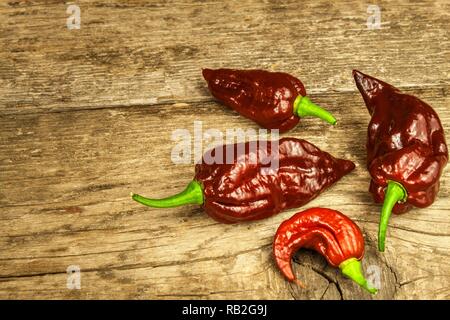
(240, 189)
(406, 149)
(330, 233)
(274, 100)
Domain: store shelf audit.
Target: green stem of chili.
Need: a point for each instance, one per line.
(193, 194)
(351, 268)
(303, 107)
(395, 192)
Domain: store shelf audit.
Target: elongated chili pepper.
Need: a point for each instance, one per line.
(330, 233)
(274, 100)
(239, 189)
(406, 149)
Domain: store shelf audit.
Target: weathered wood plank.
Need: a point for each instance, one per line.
(86, 116)
(145, 53)
(65, 179)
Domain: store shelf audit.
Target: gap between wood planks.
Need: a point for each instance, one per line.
(312, 93)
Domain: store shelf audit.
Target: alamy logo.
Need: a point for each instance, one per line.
(73, 277)
(374, 276)
(374, 20)
(74, 20)
(207, 146)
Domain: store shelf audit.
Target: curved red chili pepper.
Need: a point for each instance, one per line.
(406, 149)
(239, 191)
(274, 100)
(330, 233)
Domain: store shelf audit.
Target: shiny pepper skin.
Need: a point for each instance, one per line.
(405, 143)
(246, 185)
(239, 192)
(328, 232)
(274, 100)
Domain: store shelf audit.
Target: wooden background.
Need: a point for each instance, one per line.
(86, 116)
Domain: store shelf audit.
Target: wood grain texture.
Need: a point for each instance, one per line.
(86, 116)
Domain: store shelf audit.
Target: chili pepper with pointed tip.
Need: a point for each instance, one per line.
(406, 149)
(239, 189)
(274, 100)
(330, 233)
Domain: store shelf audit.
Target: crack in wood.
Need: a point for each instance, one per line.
(329, 279)
(422, 278)
(143, 265)
(399, 227)
(325, 291)
(323, 275)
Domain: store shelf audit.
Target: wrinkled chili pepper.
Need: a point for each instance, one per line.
(239, 190)
(330, 233)
(406, 149)
(274, 100)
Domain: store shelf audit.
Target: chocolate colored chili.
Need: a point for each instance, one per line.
(274, 100)
(406, 149)
(241, 191)
(330, 233)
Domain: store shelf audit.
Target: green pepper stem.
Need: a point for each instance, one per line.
(351, 268)
(193, 194)
(304, 107)
(395, 192)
